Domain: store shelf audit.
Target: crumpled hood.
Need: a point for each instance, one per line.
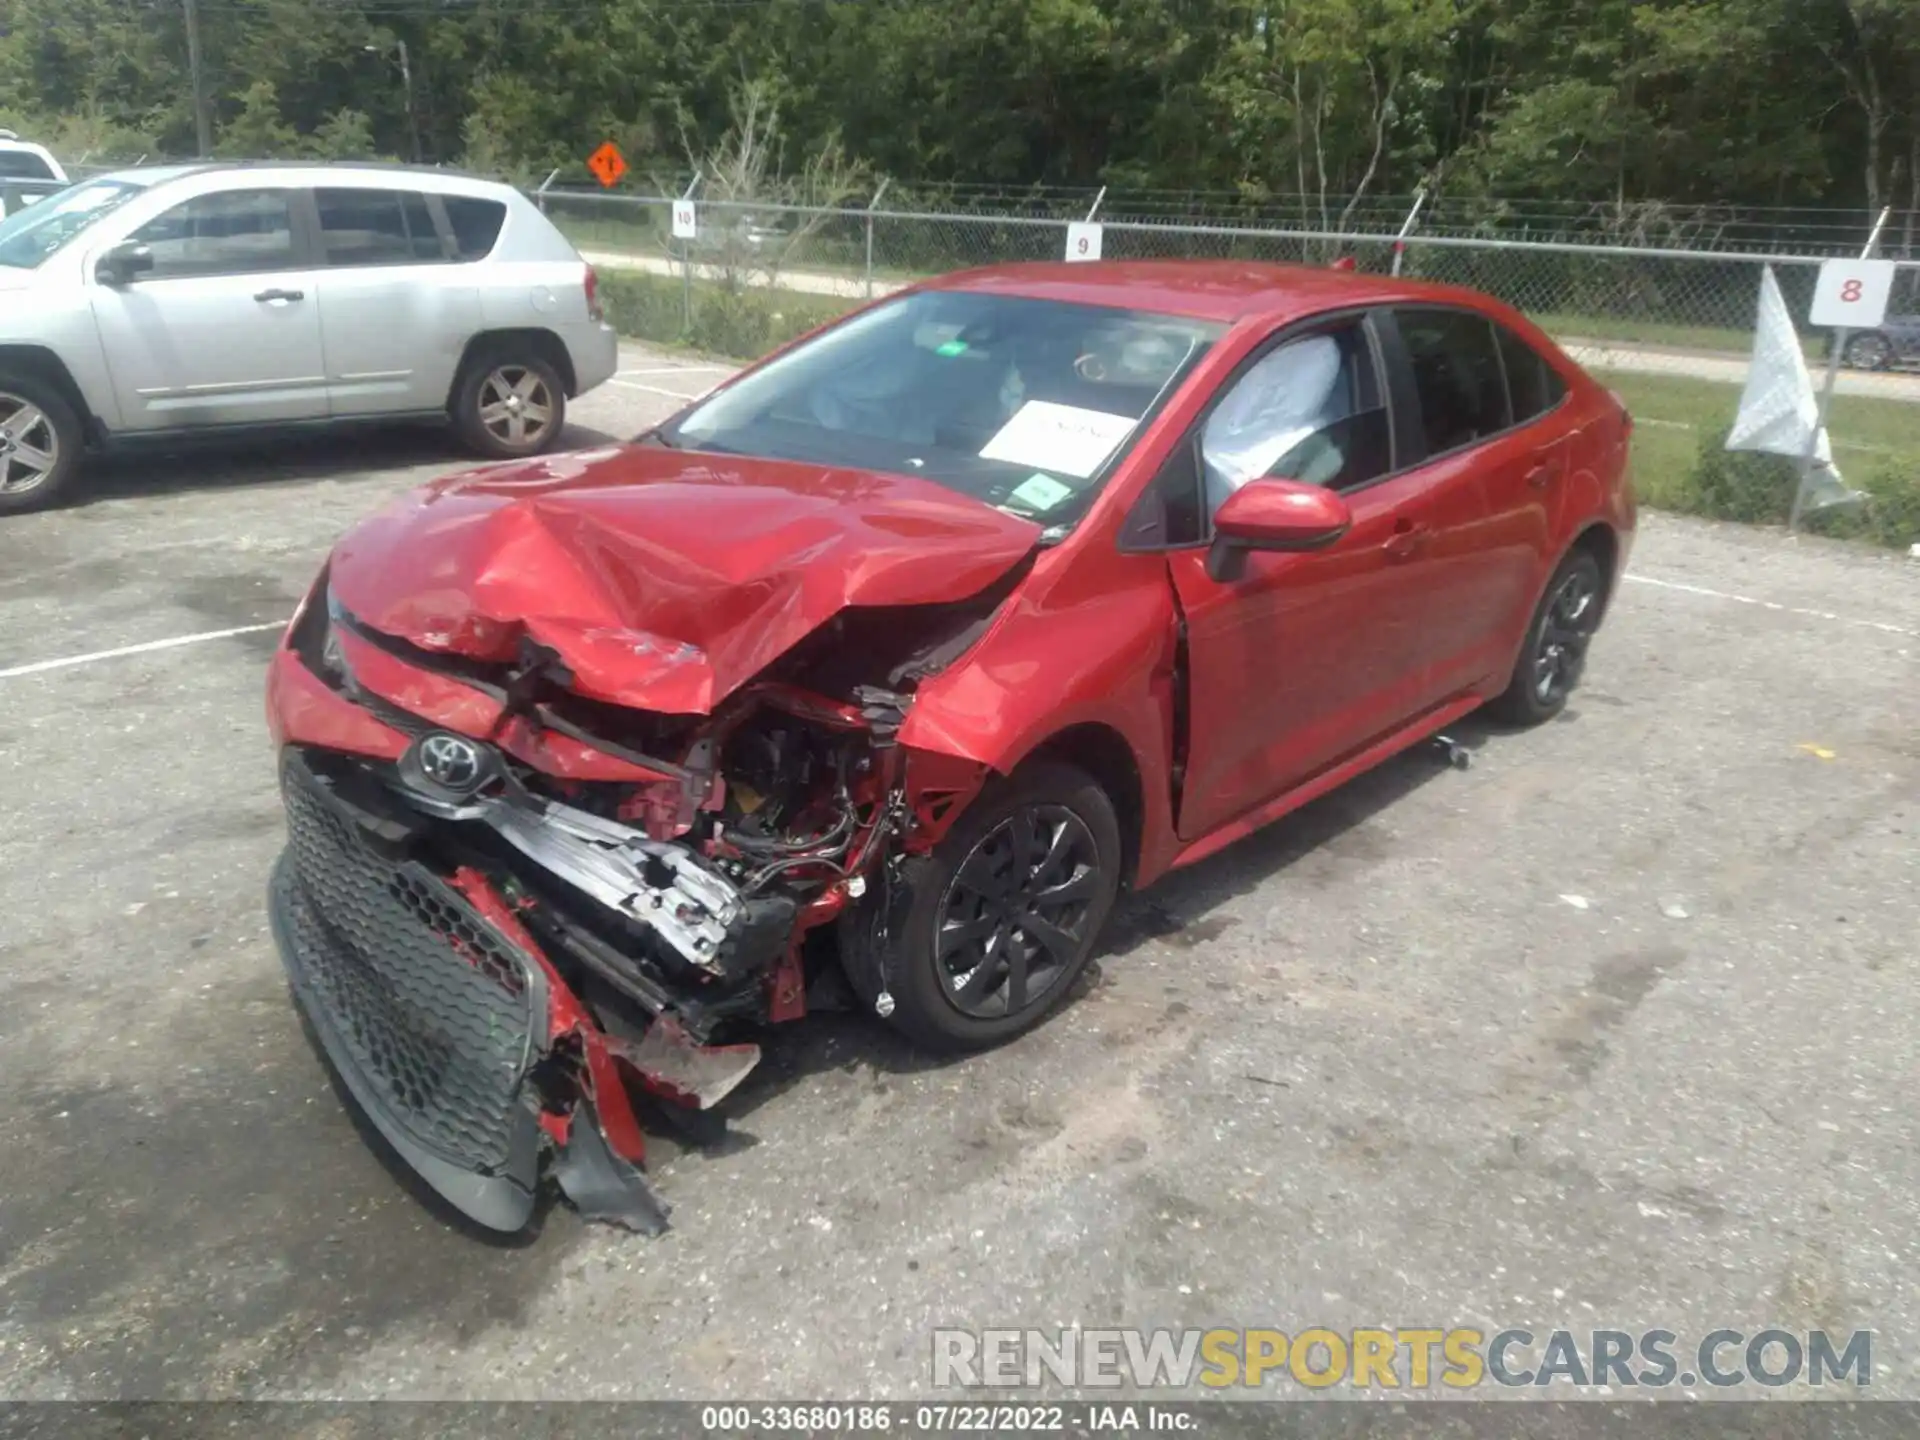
(665, 579)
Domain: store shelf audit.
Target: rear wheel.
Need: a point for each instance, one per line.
(509, 404)
(999, 920)
(1555, 651)
(40, 443)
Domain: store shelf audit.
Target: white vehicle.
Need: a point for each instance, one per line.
(23, 160)
(159, 301)
(28, 173)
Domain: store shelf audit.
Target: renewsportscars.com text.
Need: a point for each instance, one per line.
(1413, 1358)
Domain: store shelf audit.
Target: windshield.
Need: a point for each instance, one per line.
(1024, 404)
(30, 236)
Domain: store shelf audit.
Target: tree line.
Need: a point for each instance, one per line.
(1743, 102)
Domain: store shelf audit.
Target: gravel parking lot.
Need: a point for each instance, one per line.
(1616, 1027)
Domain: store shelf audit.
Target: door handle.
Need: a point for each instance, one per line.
(267, 296)
(1407, 538)
(1543, 474)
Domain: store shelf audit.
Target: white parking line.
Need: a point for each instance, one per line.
(1771, 605)
(653, 389)
(681, 370)
(41, 666)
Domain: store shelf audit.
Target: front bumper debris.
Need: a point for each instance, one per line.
(507, 899)
(444, 1021)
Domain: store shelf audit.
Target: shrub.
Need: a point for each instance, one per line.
(1890, 515)
(1736, 484)
(1758, 489)
(744, 324)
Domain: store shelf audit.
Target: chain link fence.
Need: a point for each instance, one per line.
(1670, 328)
(1594, 294)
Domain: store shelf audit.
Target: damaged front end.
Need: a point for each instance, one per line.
(509, 909)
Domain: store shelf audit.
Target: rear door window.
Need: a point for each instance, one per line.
(476, 224)
(1457, 376)
(372, 227)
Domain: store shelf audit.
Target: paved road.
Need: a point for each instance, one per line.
(1439, 1050)
(1594, 354)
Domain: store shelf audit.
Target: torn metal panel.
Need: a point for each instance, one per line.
(667, 579)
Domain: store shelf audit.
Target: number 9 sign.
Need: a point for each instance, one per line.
(1083, 241)
(1851, 294)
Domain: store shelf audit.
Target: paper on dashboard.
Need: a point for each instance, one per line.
(1062, 438)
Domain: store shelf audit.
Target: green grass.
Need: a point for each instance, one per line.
(1724, 339)
(837, 250)
(1680, 462)
(743, 324)
(1858, 422)
(637, 233)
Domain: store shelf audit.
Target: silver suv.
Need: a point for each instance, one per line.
(158, 301)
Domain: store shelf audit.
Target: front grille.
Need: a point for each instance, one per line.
(408, 985)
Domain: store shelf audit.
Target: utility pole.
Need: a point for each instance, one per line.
(202, 119)
(406, 81)
(413, 121)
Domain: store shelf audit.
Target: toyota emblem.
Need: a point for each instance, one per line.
(452, 762)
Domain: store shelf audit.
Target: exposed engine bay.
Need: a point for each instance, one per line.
(650, 879)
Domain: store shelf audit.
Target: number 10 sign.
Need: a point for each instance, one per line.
(1851, 294)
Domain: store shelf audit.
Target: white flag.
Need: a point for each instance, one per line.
(1778, 410)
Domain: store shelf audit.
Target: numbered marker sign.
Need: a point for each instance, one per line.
(1852, 294)
(684, 227)
(1083, 241)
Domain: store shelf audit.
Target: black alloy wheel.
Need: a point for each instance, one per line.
(1561, 653)
(1555, 652)
(1014, 917)
(979, 940)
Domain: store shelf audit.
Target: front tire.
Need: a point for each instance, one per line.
(1555, 650)
(1868, 351)
(998, 921)
(510, 404)
(40, 443)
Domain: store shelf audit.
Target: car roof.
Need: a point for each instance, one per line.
(149, 174)
(311, 172)
(10, 141)
(1220, 290)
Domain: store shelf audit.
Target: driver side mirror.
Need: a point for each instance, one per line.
(1273, 515)
(124, 261)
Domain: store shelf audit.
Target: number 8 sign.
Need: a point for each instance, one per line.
(1851, 294)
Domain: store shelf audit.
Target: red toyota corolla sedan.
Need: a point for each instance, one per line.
(943, 626)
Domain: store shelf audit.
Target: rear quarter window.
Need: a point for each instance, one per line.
(476, 225)
(1533, 384)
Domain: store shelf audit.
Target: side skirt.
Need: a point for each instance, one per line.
(1331, 778)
